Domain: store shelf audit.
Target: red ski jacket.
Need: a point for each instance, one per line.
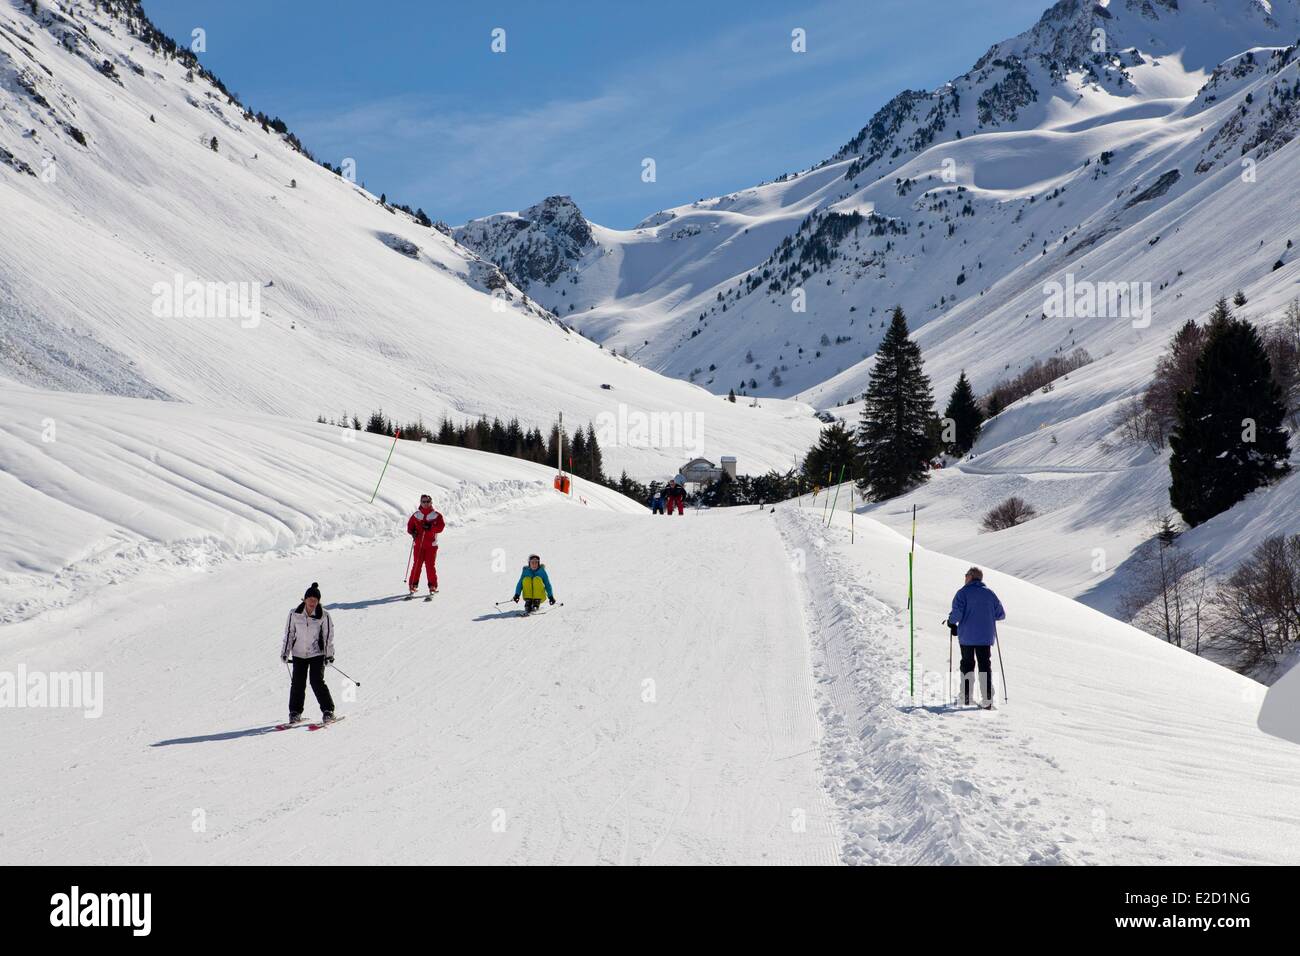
(424, 527)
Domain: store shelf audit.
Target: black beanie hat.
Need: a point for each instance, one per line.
(313, 591)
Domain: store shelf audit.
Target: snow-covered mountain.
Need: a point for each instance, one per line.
(537, 246)
(1069, 138)
(1151, 143)
(162, 240)
(1087, 133)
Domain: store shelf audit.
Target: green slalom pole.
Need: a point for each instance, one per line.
(385, 469)
(837, 494)
(911, 613)
(911, 628)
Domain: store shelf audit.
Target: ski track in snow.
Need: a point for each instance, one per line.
(908, 788)
(1114, 748)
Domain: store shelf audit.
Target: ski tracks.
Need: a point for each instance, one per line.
(911, 785)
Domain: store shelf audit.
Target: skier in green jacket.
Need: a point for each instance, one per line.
(533, 584)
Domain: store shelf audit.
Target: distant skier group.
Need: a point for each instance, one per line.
(670, 496)
(308, 642)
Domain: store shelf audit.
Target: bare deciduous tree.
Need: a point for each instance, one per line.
(1166, 592)
(1148, 421)
(1010, 513)
(1136, 425)
(1282, 343)
(1258, 607)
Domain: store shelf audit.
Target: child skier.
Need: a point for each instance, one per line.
(309, 643)
(533, 583)
(424, 526)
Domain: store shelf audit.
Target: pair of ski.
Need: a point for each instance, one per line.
(525, 613)
(427, 598)
(319, 725)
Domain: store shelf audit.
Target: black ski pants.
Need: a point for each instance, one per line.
(315, 666)
(970, 654)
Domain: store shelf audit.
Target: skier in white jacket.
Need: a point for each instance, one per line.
(309, 643)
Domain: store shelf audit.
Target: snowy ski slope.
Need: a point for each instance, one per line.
(359, 306)
(746, 702)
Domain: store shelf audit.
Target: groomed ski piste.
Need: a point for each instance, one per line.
(728, 686)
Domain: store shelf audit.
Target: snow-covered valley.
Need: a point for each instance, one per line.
(185, 291)
(638, 721)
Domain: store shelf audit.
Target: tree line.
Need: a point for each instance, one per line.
(582, 454)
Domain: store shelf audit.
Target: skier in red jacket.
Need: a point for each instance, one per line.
(423, 526)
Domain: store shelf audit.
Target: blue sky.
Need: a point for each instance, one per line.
(584, 91)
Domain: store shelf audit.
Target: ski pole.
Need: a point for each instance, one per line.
(409, 558)
(357, 682)
(954, 696)
(1001, 667)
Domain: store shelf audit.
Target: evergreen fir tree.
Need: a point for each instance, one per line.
(836, 448)
(578, 461)
(446, 432)
(553, 444)
(595, 457)
(966, 417)
(897, 430)
(1234, 399)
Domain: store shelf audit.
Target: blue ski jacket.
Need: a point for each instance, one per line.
(531, 583)
(975, 611)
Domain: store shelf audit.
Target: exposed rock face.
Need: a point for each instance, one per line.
(535, 246)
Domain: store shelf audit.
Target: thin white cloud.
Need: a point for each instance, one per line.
(463, 161)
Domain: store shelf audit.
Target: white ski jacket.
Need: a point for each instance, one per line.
(308, 636)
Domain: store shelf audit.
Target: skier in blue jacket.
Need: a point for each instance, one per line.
(533, 582)
(973, 618)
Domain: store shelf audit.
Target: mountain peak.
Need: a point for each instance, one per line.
(537, 245)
